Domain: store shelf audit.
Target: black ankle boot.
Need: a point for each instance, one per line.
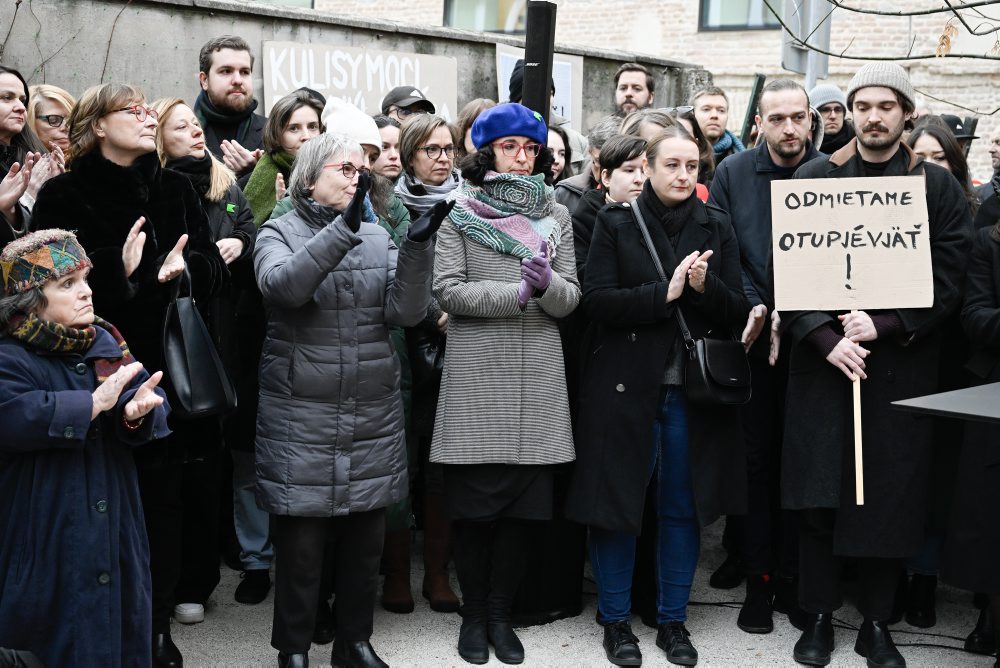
(982, 640)
(875, 644)
(358, 654)
(729, 575)
(473, 645)
(816, 642)
(506, 645)
(675, 641)
(165, 652)
(293, 660)
(755, 615)
(920, 610)
(621, 645)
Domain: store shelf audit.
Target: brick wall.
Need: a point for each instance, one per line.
(669, 29)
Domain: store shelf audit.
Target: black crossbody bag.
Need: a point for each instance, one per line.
(716, 371)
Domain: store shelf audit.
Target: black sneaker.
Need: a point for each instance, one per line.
(729, 575)
(675, 641)
(254, 587)
(621, 645)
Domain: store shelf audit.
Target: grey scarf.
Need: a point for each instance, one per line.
(420, 197)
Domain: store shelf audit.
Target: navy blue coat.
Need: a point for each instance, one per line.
(74, 560)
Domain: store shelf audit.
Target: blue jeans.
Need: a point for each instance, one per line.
(612, 553)
(252, 524)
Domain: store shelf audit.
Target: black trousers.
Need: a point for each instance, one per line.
(490, 561)
(766, 537)
(200, 543)
(819, 571)
(354, 546)
(160, 489)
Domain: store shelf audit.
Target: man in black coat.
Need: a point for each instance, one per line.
(742, 186)
(895, 353)
(831, 103)
(226, 104)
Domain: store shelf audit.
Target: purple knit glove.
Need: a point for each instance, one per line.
(536, 271)
(524, 293)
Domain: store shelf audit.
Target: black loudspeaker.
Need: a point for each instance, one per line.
(539, 43)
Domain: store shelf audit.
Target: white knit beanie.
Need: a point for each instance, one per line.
(343, 118)
(888, 75)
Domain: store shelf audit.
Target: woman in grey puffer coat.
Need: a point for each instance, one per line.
(330, 451)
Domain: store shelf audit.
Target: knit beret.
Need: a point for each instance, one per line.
(887, 75)
(343, 118)
(825, 94)
(40, 256)
(509, 120)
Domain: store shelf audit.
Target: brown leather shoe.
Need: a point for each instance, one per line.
(396, 596)
(437, 551)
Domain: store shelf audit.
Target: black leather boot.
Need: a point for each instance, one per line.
(473, 645)
(506, 645)
(920, 608)
(675, 641)
(621, 645)
(729, 575)
(755, 615)
(165, 652)
(982, 640)
(472, 563)
(293, 660)
(508, 560)
(875, 644)
(816, 642)
(358, 654)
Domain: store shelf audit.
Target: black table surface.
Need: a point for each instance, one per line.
(980, 404)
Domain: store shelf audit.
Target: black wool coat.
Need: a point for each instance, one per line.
(818, 452)
(632, 335)
(101, 201)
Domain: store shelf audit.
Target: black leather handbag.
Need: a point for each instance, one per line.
(425, 346)
(196, 381)
(716, 370)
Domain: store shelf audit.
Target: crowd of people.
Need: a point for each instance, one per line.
(476, 329)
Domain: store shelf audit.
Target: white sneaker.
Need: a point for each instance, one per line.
(189, 613)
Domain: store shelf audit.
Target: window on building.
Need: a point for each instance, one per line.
(736, 15)
(506, 16)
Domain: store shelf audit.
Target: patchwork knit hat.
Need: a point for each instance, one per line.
(825, 94)
(343, 118)
(506, 120)
(35, 258)
(888, 75)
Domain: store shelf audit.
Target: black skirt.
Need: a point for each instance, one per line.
(491, 491)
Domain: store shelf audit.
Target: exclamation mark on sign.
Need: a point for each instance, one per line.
(848, 285)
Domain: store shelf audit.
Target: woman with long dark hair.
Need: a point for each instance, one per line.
(505, 272)
(633, 410)
(142, 226)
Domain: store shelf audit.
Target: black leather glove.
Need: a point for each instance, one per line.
(426, 225)
(352, 214)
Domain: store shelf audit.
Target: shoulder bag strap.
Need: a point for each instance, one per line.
(637, 215)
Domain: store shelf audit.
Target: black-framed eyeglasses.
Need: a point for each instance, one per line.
(347, 169)
(680, 110)
(434, 152)
(53, 120)
(512, 148)
(403, 112)
(141, 112)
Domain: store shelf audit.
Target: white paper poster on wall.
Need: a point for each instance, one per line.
(358, 75)
(567, 73)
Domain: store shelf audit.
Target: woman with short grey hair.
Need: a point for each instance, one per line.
(330, 445)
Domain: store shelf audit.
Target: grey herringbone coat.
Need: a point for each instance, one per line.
(503, 392)
(330, 437)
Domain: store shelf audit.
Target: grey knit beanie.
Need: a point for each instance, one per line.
(888, 75)
(825, 94)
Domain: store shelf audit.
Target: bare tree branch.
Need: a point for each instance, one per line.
(961, 19)
(955, 104)
(826, 52)
(920, 12)
(3, 47)
(114, 25)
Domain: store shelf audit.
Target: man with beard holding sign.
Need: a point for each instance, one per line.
(895, 354)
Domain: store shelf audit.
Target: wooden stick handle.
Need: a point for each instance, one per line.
(859, 472)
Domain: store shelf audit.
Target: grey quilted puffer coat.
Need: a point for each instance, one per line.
(330, 437)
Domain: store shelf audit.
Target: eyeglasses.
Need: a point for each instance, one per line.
(511, 149)
(53, 120)
(680, 110)
(434, 152)
(406, 113)
(831, 109)
(141, 112)
(347, 169)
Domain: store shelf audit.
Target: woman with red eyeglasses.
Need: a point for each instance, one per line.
(505, 272)
(142, 226)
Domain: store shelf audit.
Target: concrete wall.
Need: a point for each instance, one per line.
(155, 44)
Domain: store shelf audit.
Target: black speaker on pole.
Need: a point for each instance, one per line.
(539, 43)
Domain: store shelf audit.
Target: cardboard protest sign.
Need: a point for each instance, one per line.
(567, 72)
(842, 244)
(360, 76)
